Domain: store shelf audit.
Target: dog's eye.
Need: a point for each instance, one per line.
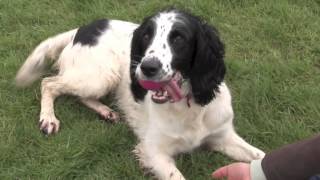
(177, 38)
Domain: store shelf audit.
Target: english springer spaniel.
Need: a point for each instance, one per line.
(167, 74)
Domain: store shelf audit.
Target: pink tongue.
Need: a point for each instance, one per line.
(173, 90)
(171, 87)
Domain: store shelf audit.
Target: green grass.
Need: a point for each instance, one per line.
(273, 60)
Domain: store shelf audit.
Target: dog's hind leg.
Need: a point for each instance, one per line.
(104, 111)
(51, 88)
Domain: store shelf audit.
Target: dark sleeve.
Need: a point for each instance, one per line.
(298, 161)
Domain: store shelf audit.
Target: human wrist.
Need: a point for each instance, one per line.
(256, 171)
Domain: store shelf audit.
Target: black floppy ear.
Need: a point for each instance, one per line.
(138, 47)
(208, 68)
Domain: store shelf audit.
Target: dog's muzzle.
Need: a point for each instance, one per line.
(164, 91)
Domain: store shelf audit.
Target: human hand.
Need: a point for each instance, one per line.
(235, 171)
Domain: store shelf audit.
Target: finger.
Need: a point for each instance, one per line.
(220, 173)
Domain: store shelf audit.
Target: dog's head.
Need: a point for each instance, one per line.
(172, 42)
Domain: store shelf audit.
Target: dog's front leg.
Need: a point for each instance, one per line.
(158, 163)
(51, 88)
(231, 144)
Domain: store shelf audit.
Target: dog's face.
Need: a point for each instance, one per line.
(165, 41)
(173, 42)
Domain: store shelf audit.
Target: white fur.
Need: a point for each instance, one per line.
(163, 129)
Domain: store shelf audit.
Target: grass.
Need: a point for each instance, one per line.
(273, 60)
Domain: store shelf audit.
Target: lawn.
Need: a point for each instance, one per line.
(273, 61)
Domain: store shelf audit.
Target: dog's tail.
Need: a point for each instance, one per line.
(35, 65)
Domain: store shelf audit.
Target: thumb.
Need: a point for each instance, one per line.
(220, 173)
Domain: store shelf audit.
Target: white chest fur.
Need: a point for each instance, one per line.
(176, 125)
(183, 128)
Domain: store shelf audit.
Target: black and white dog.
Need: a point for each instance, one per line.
(168, 77)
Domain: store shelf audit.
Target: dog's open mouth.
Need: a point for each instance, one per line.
(165, 91)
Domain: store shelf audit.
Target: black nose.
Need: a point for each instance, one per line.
(150, 67)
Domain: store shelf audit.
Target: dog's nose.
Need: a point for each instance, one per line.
(150, 67)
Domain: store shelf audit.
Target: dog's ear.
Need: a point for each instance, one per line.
(207, 68)
(139, 44)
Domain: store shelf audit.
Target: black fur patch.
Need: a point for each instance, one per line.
(88, 34)
(198, 55)
(142, 37)
(208, 68)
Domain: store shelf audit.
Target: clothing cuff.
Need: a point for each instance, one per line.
(256, 171)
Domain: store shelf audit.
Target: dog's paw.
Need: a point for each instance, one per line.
(49, 124)
(139, 155)
(258, 154)
(110, 116)
(142, 159)
(253, 154)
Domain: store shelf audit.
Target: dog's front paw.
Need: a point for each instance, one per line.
(140, 156)
(254, 154)
(49, 124)
(142, 159)
(258, 154)
(161, 168)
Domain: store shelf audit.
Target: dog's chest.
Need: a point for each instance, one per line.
(179, 124)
